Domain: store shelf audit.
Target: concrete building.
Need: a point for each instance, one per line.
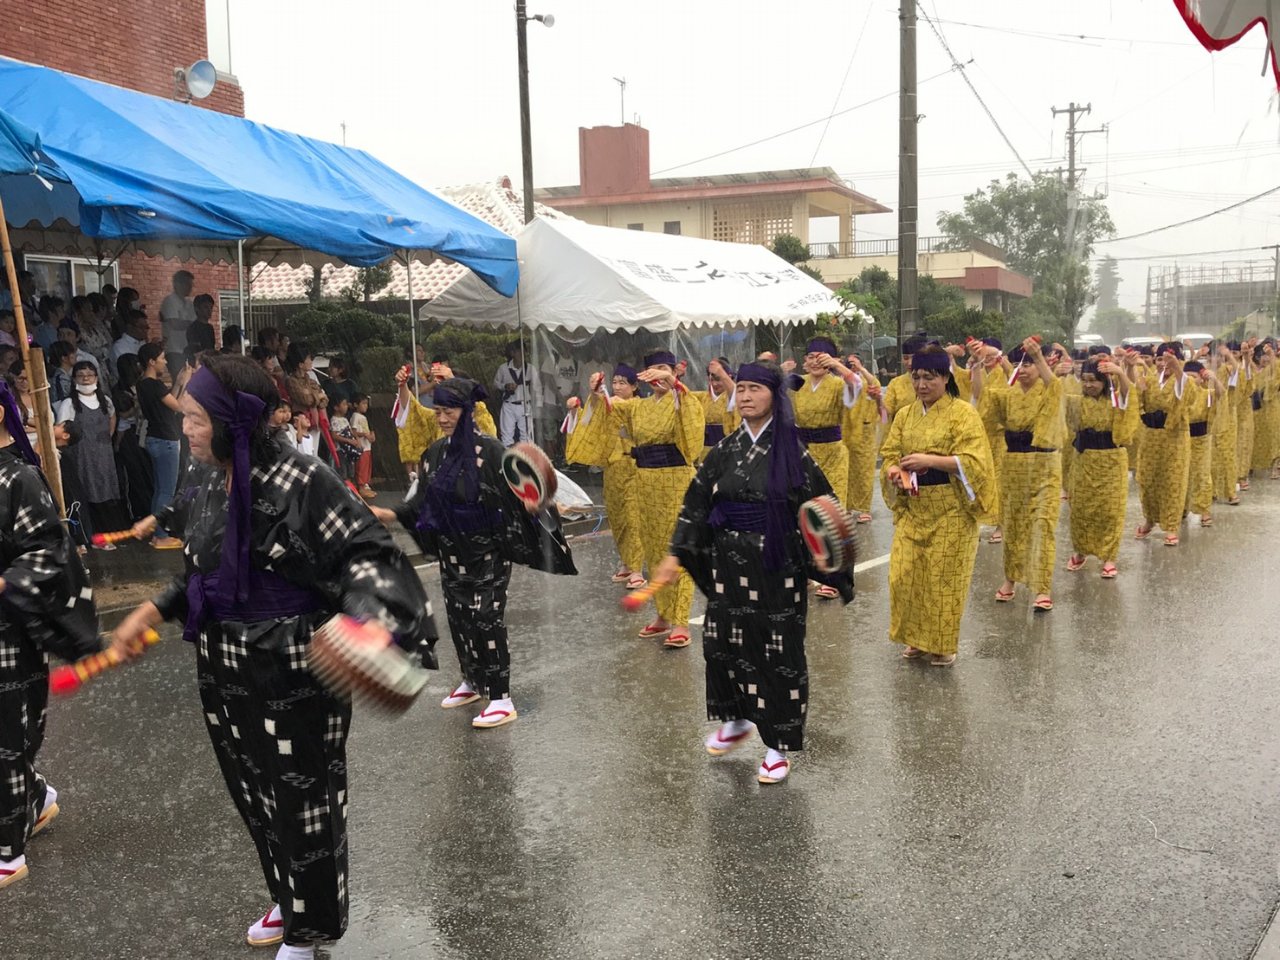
(616, 191)
(1208, 297)
(135, 45)
(978, 268)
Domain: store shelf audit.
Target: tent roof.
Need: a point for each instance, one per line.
(576, 275)
(147, 168)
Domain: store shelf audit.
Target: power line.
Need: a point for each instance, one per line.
(1204, 216)
(982, 103)
(803, 126)
(1174, 256)
(1087, 39)
(840, 93)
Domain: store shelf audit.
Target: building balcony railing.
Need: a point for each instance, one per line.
(889, 248)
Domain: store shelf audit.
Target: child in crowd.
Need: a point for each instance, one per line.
(302, 438)
(281, 424)
(360, 429)
(340, 427)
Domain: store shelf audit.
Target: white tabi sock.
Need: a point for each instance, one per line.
(464, 688)
(504, 704)
(50, 797)
(731, 728)
(14, 864)
(287, 952)
(773, 756)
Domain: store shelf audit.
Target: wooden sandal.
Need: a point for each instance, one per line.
(1171, 540)
(1075, 562)
(1043, 603)
(1109, 571)
(676, 640)
(1003, 597)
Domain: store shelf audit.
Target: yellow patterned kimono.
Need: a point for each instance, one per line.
(899, 393)
(660, 420)
(1031, 480)
(1100, 476)
(1070, 388)
(935, 534)
(1225, 440)
(1165, 451)
(420, 430)
(1244, 424)
(820, 405)
(1266, 421)
(719, 420)
(1201, 414)
(596, 448)
(860, 425)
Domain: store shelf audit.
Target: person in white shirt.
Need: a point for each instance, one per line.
(177, 314)
(517, 385)
(135, 335)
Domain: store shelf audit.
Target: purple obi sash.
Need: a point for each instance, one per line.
(932, 478)
(712, 434)
(1090, 439)
(1199, 428)
(459, 518)
(1019, 441)
(736, 515)
(820, 434)
(1155, 419)
(1255, 399)
(271, 597)
(652, 456)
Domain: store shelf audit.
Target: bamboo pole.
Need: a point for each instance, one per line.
(33, 363)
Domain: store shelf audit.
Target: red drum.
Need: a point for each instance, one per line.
(358, 660)
(828, 532)
(529, 474)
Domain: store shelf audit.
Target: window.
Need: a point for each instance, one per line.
(635, 226)
(672, 227)
(69, 277)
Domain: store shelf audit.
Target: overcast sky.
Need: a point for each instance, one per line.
(429, 87)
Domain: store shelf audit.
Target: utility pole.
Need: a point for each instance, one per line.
(622, 93)
(908, 186)
(526, 136)
(1275, 296)
(1072, 305)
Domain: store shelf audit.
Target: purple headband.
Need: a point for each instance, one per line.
(821, 345)
(1193, 366)
(786, 463)
(1164, 348)
(993, 342)
(937, 362)
(13, 422)
(660, 356)
(463, 394)
(242, 413)
(626, 373)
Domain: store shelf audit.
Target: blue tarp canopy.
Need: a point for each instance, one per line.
(143, 169)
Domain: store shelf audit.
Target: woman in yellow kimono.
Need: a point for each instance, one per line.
(1266, 418)
(667, 430)
(1065, 368)
(416, 424)
(822, 402)
(717, 405)
(619, 480)
(1167, 395)
(1031, 414)
(900, 392)
(861, 424)
(938, 479)
(1099, 423)
(989, 352)
(1202, 413)
(1250, 400)
(1225, 425)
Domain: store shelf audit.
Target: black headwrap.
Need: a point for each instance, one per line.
(786, 463)
(459, 458)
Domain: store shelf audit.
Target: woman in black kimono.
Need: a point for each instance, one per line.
(462, 511)
(275, 546)
(738, 537)
(46, 607)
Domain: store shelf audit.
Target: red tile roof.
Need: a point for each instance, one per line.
(496, 203)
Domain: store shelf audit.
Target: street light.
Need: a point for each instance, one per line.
(522, 55)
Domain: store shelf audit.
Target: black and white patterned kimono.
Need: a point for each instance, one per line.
(753, 636)
(279, 737)
(46, 608)
(477, 539)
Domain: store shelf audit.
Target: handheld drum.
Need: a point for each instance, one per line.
(359, 660)
(529, 474)
(828, 531)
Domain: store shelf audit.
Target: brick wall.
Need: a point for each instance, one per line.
(134, 44)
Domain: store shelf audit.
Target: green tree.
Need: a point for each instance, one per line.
(954, 323)
(1107, 283)
(935, 297)
(794, 250)
(1113, 324)
(1046, 231)
(341, 328)
(369, 282)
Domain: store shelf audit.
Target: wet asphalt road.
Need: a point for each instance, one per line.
(1098, 782)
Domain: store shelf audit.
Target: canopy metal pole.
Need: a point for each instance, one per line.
(413, 326)
(33, 364)
(240, 289)
(532, 397)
